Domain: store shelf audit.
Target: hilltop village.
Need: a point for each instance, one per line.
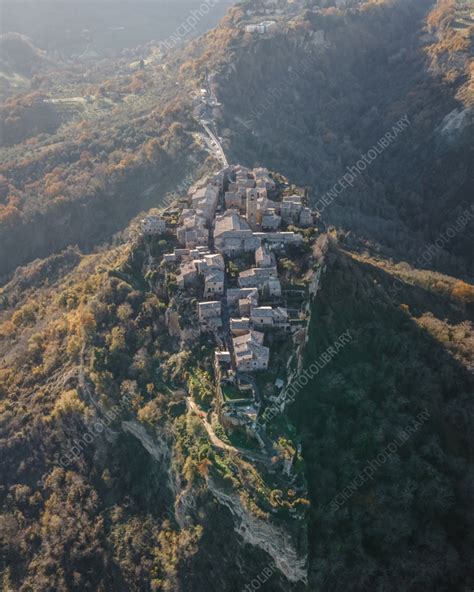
(229, 232)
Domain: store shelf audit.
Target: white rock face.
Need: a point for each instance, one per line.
(185, 507)
(319, 39)
(157, 447)
(185, 334)
(267, 536)
(172, 323)
(454, 123)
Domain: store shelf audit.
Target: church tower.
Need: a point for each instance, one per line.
(251, 209)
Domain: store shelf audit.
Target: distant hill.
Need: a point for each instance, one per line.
(18, 53)
(20, 60)
(72, 27)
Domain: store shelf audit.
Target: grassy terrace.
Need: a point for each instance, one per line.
(261, 491)
(232, 394)
(136, 281)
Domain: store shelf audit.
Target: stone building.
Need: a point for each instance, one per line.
(153, 225)
(250, 353)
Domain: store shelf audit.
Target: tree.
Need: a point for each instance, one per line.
(463, 292)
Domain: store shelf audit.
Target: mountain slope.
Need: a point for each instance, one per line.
(387, 429)
(110, 479)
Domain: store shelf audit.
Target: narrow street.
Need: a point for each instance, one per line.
(226, 327)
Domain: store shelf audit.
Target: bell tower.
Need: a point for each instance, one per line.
(251, 209)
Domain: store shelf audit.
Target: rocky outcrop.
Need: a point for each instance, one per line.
(172, 323)
(160, 449)
(289, 554)
(285, 544)
(185, 506)
(186, 334)
(456, 122)
(157, 447)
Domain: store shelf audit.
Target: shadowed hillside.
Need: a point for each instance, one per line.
(319, 93)
(401, 521)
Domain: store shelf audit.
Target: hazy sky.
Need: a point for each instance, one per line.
(107, 25)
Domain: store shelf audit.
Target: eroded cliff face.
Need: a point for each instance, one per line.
(158, 447)
(278, 547)
(184, 332)
(286, 548)
(455, 123)
(161, 449)
(172, 323)
(154, 445)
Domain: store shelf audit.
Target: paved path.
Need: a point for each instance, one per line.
(216, 144)
(215, 440)
(218, 443)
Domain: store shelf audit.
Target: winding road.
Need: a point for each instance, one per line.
(215, 143)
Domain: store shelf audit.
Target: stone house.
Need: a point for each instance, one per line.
(213, 282)
(209, 261)
(170, 258)
(267, 317)
(209, 309)
(187, 275)
(250, 353)
(271, 222)
(153, 225)
(181, 252)
(256, 277)
(205, 201)
(264, 279)
(194, 237)
(240, 326)
(280, 318)
(223, 357)
(263, 179)
(217, 180)
(235, 295)
(274, 288)
(264, 257)
(209, 314)
(214, 260)
(279, 240)
(261, 28)
(261, 317)
(291, 207)
(246, 304)
(306, 217)
(232, 234)
(234, 200)
(192, 232)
